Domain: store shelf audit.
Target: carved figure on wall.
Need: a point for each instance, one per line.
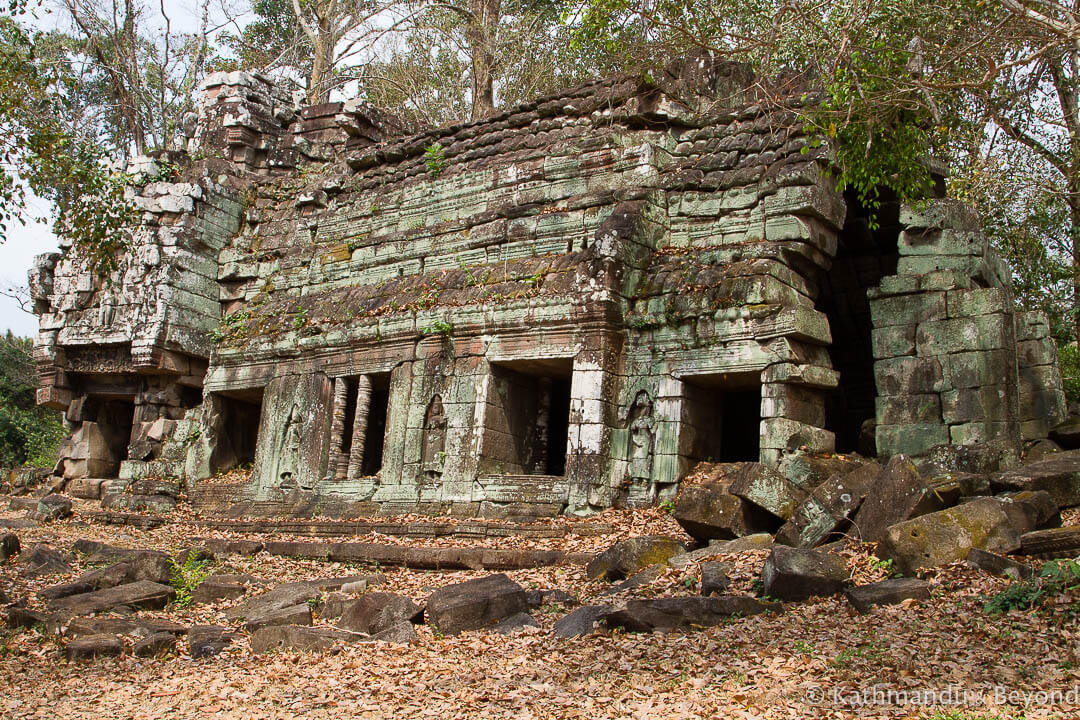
(640, 441)
(289, 456)
(106, 312)
(434, 448)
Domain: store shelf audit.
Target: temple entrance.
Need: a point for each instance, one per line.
(528, 418)
(864, 255)
(721, 418)
(236, 424)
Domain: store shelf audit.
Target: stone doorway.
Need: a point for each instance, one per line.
(239, 413)
(866, 252)
(528, 418)
(721, 418)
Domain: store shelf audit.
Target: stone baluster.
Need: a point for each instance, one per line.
(360, 422)
(339, 460)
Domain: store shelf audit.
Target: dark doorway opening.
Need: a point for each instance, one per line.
(865, 253)
(376, 424)
(236, 426)
(721, 418)
(528, 418)
(115, 418)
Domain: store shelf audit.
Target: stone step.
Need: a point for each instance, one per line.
(349, 528)
(1051, 543)
(427, 558)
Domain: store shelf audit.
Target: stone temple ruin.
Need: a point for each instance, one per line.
(558, 309)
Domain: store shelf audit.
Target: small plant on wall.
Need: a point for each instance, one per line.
(434, 159)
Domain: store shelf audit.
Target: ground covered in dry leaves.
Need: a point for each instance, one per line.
(946, 658)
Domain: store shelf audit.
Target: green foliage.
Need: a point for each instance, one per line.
(1069, 364)
(29, 434)
(186, 576)
(888, 566)
(1057, 577)
(232, 327)
(434, 159)
(42, 152)
(439, 327)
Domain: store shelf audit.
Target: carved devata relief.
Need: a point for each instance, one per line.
(289, 451)
(640, 440)
(433, 455)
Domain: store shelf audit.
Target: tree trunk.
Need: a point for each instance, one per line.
(481, 35)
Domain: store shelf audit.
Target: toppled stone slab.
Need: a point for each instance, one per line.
(798, 574)
(630, 556)
(9, 546)
(142, 594)
(887, 592)
(222, 587)
(1059, 476)
(55, 592)
(1040, 510)
(208, 640)
(94, 646)
(281, 597)
(636, 580)
(138, 503)
(155, 645)
(298, 638)
(757, 541)
(581, 621)
(374, 612)
(1051, 543)
(981, 458)
(22, 617)
(665, 614)
(708, 512)
(43, 560)
(401, 633)
(17, 523)
(292, 615)
(219, 546)
(151, 566)
(121, 626)
(828, 507)
(807, 470)
(767, 489)
(999, 564)
(475, 604)
(426, 558)
(948, 535)
(897, 494)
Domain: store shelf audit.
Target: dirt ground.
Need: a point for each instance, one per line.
(945, 658)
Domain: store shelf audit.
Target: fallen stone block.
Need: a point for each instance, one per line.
(757, 541)
(828, 507)
(514, 623)
(55, 592)
(142, 594)
(897, 494)
(9, 546)
(246, 548)
(887, 592)
(1039, 509)
(374, 612)
(43, 560)
(807, 471)
(665, 614)
(709, 511)
(767, 489)
(208, 640)
(1052, 543)
(121, 626)
(475, 604)
(94, 646)
(582, 621)
(402, 633)
(1041, 450)
(979, 458)
(53, 507)
(292, 615)
(1059, 476)
(21, 617)
(1067, 434)
(797, 574)
(155, 645)
(633, 555)
(282, 596)
(999, 564)
(636, 580)
(948, 535)
(221, 587)
(86, 488)
(298, 638)
(714, 577)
